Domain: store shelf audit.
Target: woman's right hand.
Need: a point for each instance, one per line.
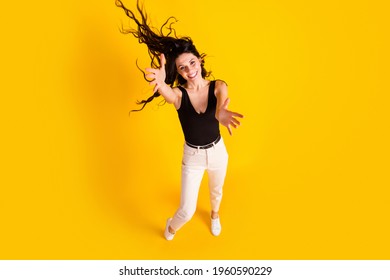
(157, 75)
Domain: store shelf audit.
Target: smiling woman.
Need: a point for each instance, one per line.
(160, 43)
(177, 73)
(308, 175)
(188, 65)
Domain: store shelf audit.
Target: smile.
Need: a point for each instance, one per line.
(193, 75)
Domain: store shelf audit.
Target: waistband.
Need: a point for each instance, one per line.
(207, 146)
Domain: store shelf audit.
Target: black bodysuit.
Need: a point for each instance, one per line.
(199, 129)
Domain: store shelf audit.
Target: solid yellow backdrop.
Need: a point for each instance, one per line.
(309, 167)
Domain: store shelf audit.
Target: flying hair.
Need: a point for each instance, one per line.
(160, 41)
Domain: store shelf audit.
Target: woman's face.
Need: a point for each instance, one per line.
(189, 66)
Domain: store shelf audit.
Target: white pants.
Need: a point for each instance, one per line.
(195, 162)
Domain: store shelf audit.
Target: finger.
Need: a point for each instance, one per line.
(235, 121)
(229, 129)
(151, 70)
(237, 115)
(162, 60)
(150, 76)
(157, 86)
(233, 124)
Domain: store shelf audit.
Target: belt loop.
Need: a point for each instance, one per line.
(216, 141)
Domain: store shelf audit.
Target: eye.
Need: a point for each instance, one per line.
(192, 62)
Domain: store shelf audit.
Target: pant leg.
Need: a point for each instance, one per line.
(217, 158)
(192, 170)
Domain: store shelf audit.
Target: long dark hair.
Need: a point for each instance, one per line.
(159, 43)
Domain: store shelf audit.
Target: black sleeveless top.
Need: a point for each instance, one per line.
(199, 129)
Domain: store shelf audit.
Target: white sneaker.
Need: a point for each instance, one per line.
(167, 234)
(216, 227)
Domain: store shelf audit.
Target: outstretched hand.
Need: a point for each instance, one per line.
(157, 75)
(228, 118)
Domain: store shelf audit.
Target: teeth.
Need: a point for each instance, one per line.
(193, 75)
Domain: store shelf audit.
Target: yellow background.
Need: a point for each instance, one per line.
(309, 167)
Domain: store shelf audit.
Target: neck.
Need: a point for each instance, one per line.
(197, 84)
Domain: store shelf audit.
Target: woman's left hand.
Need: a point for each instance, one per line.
(228, 118)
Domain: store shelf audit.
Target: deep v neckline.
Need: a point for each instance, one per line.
(207, 105)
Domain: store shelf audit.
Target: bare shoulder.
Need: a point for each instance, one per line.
(220, 87)
(177, 91)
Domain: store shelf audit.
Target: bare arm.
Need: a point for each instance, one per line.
(222, 114)
(158, 75)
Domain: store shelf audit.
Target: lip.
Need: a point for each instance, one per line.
(193, 75)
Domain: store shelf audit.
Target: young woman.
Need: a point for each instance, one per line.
(179, 77)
